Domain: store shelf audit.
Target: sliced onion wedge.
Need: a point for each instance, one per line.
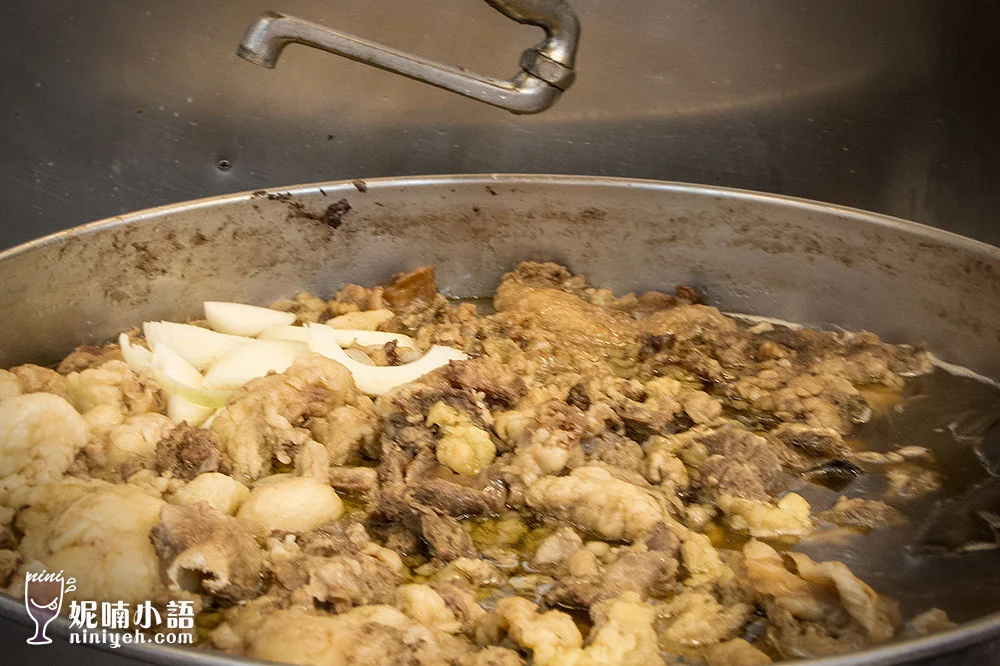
(198, 346)
(180, 410)
(251, 361)
(347, 337)
(296, 333)
(179, 378)
(377, 380)
(240, 319)
(137, 358)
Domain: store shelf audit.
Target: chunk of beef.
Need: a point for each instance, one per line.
(88, 356)
(614, 450)
(411, 292)
(863, 513)
(353, 480)
(187, 452)
(36, 379)
(338, 567)
(501, 386)
(202, 550)
(446, 536)
(811, 441)
(741, 464)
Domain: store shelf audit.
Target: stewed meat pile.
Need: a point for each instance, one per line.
(601, 480)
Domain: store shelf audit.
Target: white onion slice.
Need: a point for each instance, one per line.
(377, 380)
(198, 346)
(136, 358)
(253, 360)
(180, 410)
(347, 337)
(241, 319)
(296, 333)
(179, 378)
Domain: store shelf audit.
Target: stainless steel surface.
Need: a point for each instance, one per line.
(546, 69)
(793, 259)
(887, 106)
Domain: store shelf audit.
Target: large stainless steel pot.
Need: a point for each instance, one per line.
(803, 261)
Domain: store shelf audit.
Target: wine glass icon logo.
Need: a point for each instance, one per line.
(43, 595)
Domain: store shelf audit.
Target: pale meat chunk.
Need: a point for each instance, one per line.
(113, 384)
(623, 633)
(271, 418)
(40, 434)
(102, 539)
(592, 499)
(820, 592)
(365, 636)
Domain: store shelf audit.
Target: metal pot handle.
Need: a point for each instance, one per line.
(546, 69)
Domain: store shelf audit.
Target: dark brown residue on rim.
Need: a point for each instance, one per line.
(332, 216)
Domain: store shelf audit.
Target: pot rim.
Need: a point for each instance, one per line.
(961, 636)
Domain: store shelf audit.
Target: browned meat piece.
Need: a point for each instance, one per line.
(663, 539)
(742, 464)
(361, 298)
(898, 359)
(338, 568)
(614, 450)
(660, 355)
(501, 386)
(306, 307)
(272, 417)
(353, 480)
(417, 491)
(411, 292)
(336, 538)
(88, 356)
(813, 442)
(187, 452)
(582, 333)
(36, 379)
(455, 499)
(807, 344)
(446, 537)
(460, 597)
(863, 513)
(654, 301)
(546, 274)
(704, 327)
(396, 505)
(402, 540)
(640, 413)
(574, 593)
(202, 550)
(860, 358)
(549, 442)
(644, 572)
